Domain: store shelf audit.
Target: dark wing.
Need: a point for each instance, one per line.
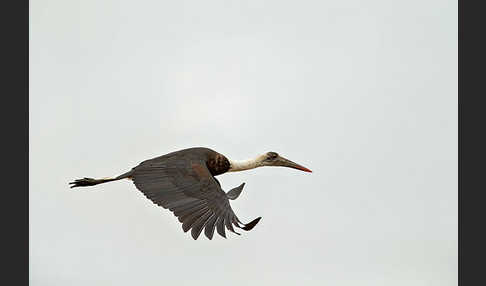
(186, 187)
(234, 193)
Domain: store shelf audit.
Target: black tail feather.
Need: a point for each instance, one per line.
(86, 182)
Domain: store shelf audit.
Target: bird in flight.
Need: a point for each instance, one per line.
(184, 182)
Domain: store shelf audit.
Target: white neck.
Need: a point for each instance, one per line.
(245, 164)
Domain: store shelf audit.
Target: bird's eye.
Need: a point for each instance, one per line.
(272, 155)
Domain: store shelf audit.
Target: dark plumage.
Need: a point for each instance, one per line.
(184, 182)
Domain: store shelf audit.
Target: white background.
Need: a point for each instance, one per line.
(364, 93)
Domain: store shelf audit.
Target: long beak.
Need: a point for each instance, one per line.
(281, 161)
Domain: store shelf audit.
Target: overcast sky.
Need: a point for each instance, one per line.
(364, 93)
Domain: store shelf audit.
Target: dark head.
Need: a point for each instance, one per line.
(274, 159)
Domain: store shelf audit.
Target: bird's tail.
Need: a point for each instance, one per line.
(86, 182)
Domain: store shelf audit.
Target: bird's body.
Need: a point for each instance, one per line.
(184, 182)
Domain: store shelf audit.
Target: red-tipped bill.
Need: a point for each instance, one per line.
(287, 163)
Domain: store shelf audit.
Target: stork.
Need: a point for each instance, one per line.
(184, 182)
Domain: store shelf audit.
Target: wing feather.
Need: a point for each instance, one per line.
(210, 225)
(200, 223)
(220, 227)
(182, 183)
(189, 221)
(189, 212)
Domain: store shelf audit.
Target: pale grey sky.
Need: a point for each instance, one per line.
(364, 93)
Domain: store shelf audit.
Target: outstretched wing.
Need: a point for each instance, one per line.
(186, 187)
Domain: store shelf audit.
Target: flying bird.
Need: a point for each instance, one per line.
(184, 182)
